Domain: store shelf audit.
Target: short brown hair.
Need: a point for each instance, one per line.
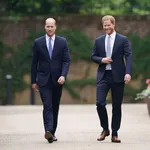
(108, 17)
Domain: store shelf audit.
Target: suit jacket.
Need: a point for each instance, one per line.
(121, 56)
(42, 66)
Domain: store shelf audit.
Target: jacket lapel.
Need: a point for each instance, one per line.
(55, 45)
(45, 47)
(115, 44)
(104, 48)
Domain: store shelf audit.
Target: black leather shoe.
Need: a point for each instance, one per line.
(49, 136)
(103, 135)
(115, 139)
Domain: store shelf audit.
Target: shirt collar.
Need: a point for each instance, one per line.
(113, 35)
(52, 38)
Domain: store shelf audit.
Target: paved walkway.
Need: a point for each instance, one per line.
(21, 128)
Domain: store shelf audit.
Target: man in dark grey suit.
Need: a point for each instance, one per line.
(49, 69)
(112, 52)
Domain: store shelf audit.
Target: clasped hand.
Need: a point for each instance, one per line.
(107, 60)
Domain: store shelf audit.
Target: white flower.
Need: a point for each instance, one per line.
(145, 93)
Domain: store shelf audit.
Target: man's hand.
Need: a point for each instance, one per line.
(35, 87)
(61, 80)
(107, 60)
(127, 78)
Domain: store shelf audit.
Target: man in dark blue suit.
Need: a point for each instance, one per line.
(49, 69)
(112, 52)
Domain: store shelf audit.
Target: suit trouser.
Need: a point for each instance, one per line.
(50, 95)
(117, 91)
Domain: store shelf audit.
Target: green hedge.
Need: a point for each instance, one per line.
(17, 61)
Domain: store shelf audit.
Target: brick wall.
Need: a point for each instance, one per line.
(13, 33)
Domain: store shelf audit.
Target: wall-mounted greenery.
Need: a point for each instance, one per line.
(79, 44)
(17, 61)
(141, 58)
(141, 55)
(18, 64)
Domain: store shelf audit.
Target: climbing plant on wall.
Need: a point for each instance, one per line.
(18, 64)
(17, 61)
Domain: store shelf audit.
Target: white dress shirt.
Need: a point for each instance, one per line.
(112, 40)
(52, 41)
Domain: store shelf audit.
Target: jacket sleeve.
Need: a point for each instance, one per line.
(66, 60)
(128, 56)
(95, 56)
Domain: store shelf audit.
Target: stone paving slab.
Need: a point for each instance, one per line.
(21, 128)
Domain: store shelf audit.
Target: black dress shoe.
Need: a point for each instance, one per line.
(54, 138)
(115, 139)
(49, 136)
(103, 135)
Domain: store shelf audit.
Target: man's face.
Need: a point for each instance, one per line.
(108, 27)
(50, 27)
